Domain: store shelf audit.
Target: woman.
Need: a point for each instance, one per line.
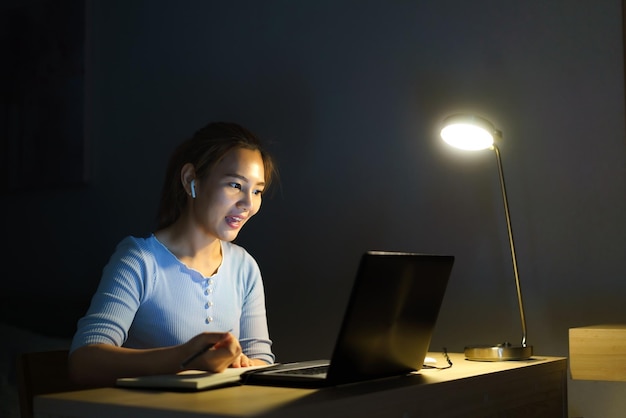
(186, 296)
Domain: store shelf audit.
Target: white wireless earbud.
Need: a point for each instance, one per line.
(193, 188)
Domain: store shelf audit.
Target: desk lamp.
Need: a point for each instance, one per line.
(472, 133)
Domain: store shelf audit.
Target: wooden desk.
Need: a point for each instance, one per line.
(532, 388)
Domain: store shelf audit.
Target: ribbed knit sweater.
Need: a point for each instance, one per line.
(148, 298)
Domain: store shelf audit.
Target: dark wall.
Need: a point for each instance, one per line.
(351, 94)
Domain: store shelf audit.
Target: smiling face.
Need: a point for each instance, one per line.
(230, 195)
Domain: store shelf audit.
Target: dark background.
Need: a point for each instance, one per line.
(351, 95)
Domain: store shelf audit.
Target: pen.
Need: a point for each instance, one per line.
(197, 354)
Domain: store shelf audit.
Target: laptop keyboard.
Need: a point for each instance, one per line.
(308, 371)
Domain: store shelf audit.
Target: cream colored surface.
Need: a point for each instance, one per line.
(598, 352)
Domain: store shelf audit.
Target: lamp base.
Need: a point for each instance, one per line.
(498, 352)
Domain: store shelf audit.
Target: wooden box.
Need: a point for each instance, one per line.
(598, 352)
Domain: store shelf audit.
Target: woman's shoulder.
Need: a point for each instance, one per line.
(236, 254)
(144, 247)
(132, 241)
(234, 250)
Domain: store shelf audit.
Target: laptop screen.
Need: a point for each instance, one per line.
(391, 315)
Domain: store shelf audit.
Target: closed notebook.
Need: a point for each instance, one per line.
(188, 380)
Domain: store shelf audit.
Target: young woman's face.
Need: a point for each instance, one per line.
(230, 194)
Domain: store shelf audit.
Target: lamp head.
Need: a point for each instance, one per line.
(468, 132)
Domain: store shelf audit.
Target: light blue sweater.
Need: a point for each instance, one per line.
(148, 298)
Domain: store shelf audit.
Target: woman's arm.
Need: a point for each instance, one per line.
(102, 364)
(254, 333)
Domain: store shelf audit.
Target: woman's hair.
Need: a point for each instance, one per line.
(206, 148)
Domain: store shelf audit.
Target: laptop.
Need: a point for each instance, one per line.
(387, 326)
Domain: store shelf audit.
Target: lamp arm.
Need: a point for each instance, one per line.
(511, 244)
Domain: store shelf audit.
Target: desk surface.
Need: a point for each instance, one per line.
(466, 389)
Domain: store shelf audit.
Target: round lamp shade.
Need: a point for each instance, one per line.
(468, 132)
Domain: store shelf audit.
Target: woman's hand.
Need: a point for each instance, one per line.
(216, 351)
(245, 361)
